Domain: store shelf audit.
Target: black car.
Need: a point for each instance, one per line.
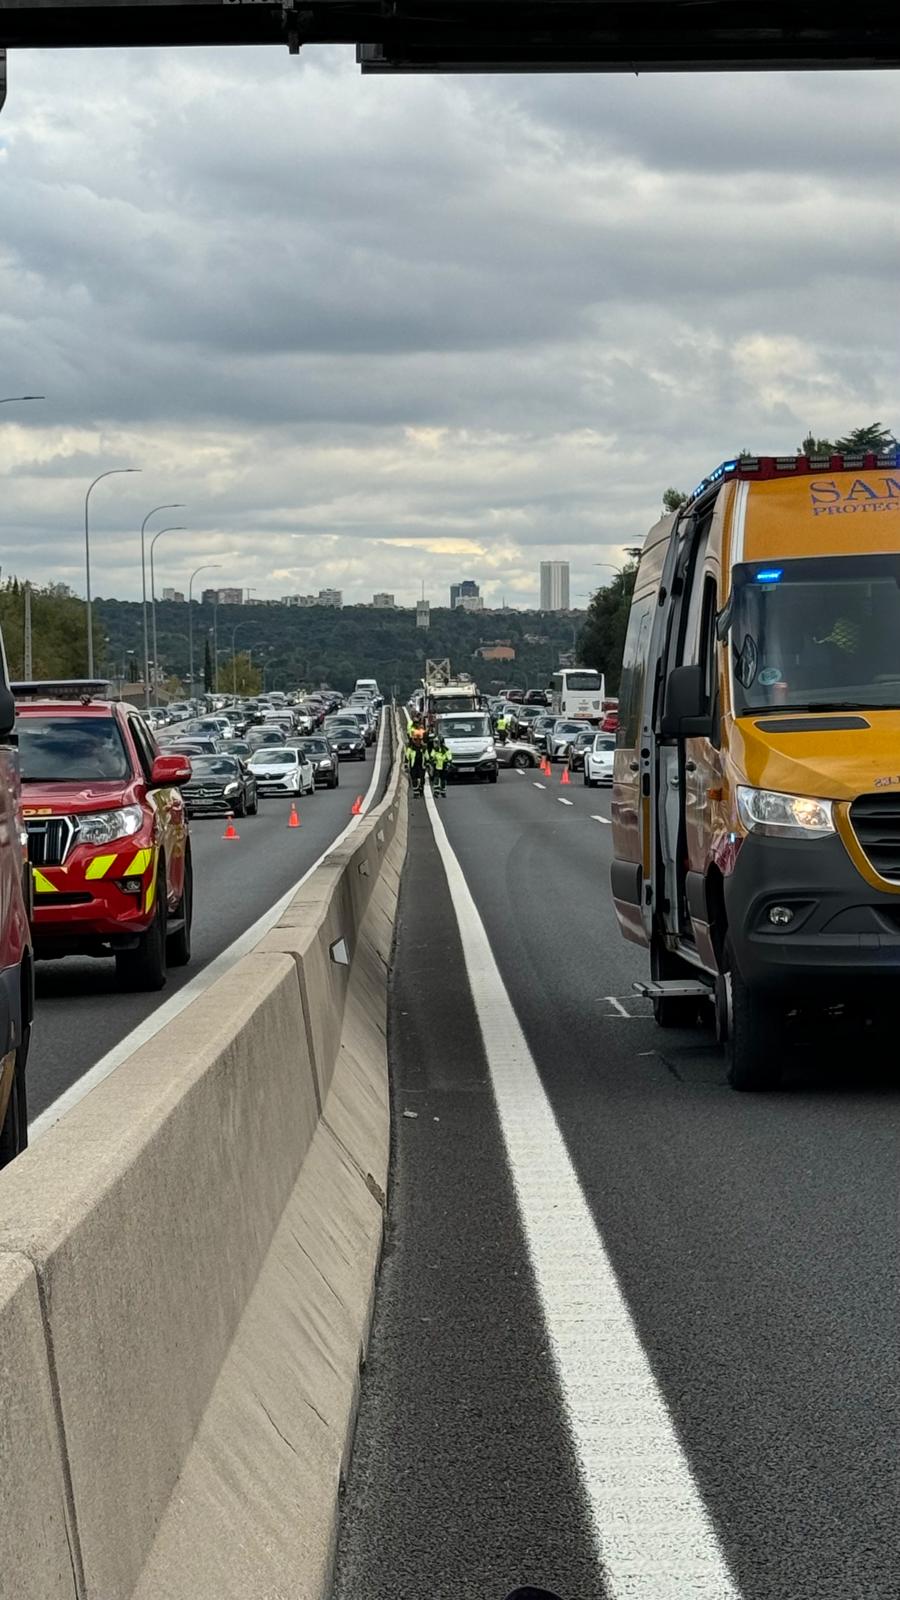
(579, 748)
(537, 697)
(540, 732)
(348, 742)
(218, 785)
(324, 758)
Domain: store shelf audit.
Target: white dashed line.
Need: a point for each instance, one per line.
(652, 1533)
(601, 819)
(540, 786)
(564, 802)
(617, 1003)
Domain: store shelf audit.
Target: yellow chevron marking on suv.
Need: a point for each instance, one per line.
(99, 867)
(139, 865)
(151, 893)
(43, 885)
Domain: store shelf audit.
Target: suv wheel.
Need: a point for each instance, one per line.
(144, 968)
(521, 760)
(178, 945)
(14, 1132)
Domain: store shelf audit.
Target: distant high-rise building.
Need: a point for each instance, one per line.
(383, 601)
(467, 590)
(470, 602)
(554, 585)
(423, 614)
(209, 597)
(330, 597)
(173, 594)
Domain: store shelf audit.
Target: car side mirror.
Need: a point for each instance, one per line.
(170, 772)
(7, 711)
(686, 713)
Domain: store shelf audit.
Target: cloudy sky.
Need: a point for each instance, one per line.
(375, 331)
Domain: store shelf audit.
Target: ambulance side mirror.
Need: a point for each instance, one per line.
(686, 713)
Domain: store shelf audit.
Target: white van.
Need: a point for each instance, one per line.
(368, 686)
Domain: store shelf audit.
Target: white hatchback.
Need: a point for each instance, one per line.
(282, 769)
(598, 760)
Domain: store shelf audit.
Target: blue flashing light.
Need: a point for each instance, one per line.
(770, 575)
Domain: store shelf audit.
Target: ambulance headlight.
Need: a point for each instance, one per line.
(784, 816)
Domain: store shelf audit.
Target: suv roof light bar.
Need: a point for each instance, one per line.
(767, 467)
(83, 689)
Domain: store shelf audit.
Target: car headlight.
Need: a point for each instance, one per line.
(784, 816)
(102, 827)
(325, 762)
(232, 788)
(489, 751)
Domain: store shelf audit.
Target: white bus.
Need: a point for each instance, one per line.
(578, 692)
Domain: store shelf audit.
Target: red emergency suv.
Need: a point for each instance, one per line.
(107, 832)
(16, 964)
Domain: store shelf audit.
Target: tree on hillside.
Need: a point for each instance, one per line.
(602, 639)
(239, 672)
(673, 500)
(58, 630)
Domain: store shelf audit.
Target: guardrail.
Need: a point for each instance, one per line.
(187, 1266)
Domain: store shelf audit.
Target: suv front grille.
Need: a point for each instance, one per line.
(876, 823)
(49, 839)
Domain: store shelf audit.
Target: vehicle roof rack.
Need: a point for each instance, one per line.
(83, 690)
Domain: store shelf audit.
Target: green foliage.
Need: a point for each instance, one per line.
(300, 646)
(673, 500)
(858, 441)
(58, 631)
(602, 638)
(237, 674)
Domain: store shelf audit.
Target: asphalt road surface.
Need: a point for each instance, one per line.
(737, 1436)
(81, 1013)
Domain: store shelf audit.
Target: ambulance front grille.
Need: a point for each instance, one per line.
(876, 823)
(49, 839)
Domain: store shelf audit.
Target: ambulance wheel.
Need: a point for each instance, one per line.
(144, 968)
(178, 945)
(754, 1025)
(671, 1011)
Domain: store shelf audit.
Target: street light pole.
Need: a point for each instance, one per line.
(234, 633)
(174, 505)
(207, 567)
(175, 528)
(112, 473)
(17, 399)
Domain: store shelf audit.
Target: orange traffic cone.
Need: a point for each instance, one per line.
(231, 831)
(293, 820)
(565, 776)
(546, 768)
(356, 807)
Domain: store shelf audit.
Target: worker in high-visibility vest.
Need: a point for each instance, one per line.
(415, 758)
(439, 759)
(502, 727)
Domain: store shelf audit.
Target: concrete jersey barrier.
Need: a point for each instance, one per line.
(187, 1263)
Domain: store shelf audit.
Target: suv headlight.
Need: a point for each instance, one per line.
(102, 827)
(232, 788)
(784, 816)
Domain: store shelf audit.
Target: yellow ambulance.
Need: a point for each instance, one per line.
(756, 795)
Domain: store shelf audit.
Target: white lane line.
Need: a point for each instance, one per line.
(519, 771)
(617, 1003)
(653, 1535)
(607, 820)
(564, 802)
(210, 974)
(540, 786)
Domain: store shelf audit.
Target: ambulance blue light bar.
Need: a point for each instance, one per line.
(771, 575)
(767, 467)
